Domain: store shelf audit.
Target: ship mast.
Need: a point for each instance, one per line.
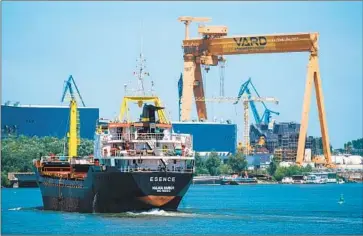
(141, 72)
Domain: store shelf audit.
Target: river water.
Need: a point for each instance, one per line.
(248, 209)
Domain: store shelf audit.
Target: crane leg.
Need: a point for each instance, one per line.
(321, 110)
(305, 112)
(199, 93)
(192, 83)
(188, 81)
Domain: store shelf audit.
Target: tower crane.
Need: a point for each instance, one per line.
(74, 127)
(222, 65)
(267, 113)
(246, 100)
(206, 50)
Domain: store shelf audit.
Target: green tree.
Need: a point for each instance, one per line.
(201, 171)
(225, 169)
(4, 179)
(237, 162)
(307, 168)
(272, 168)
(280, 173)
(212, 163)
(17, 153)
(199, 162)
(200, 168)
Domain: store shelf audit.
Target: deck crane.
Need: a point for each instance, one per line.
(74, 127)
(206, 50)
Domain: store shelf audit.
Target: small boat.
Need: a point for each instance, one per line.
(314, 179)
(340, 181)
(287, 180)
(238, 180)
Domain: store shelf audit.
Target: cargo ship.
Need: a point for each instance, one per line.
(136, 166)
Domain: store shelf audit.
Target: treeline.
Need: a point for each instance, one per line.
(17, 153)
(237, 163)
(213, 165)
(355, 144)
(278, 172)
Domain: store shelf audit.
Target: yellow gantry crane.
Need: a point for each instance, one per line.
(213, 44)
(73, 134)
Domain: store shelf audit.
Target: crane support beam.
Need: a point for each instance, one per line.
(192, 81)
(236, 45)
(313, 77)
(322, 117)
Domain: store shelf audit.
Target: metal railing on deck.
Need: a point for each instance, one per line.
(141, 169)
(66, 159)
(147, 136)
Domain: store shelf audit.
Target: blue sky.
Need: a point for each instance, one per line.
(98, 43)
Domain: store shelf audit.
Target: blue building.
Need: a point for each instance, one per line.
(210, 136)
(36, 120)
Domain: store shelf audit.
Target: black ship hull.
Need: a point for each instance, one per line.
(112, 191)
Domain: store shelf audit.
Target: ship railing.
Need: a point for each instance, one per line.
(155, 152)
(72, 160)
(148, 136)
(173, 152)
(142, 169)
(119, 137)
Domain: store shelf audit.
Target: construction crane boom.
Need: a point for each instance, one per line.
(247, 100)
(250, 99)
(267, 113)
(68, 87)
(205, 51)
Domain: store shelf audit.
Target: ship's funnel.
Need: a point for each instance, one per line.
(148, 113)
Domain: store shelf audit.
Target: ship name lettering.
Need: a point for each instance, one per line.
(162, 179)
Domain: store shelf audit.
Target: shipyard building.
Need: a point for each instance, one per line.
(36, 120)
(281, 140)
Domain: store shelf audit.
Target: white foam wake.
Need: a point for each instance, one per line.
(15, 209)
(157, 212)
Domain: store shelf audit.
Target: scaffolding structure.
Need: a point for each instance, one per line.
(282, 140)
